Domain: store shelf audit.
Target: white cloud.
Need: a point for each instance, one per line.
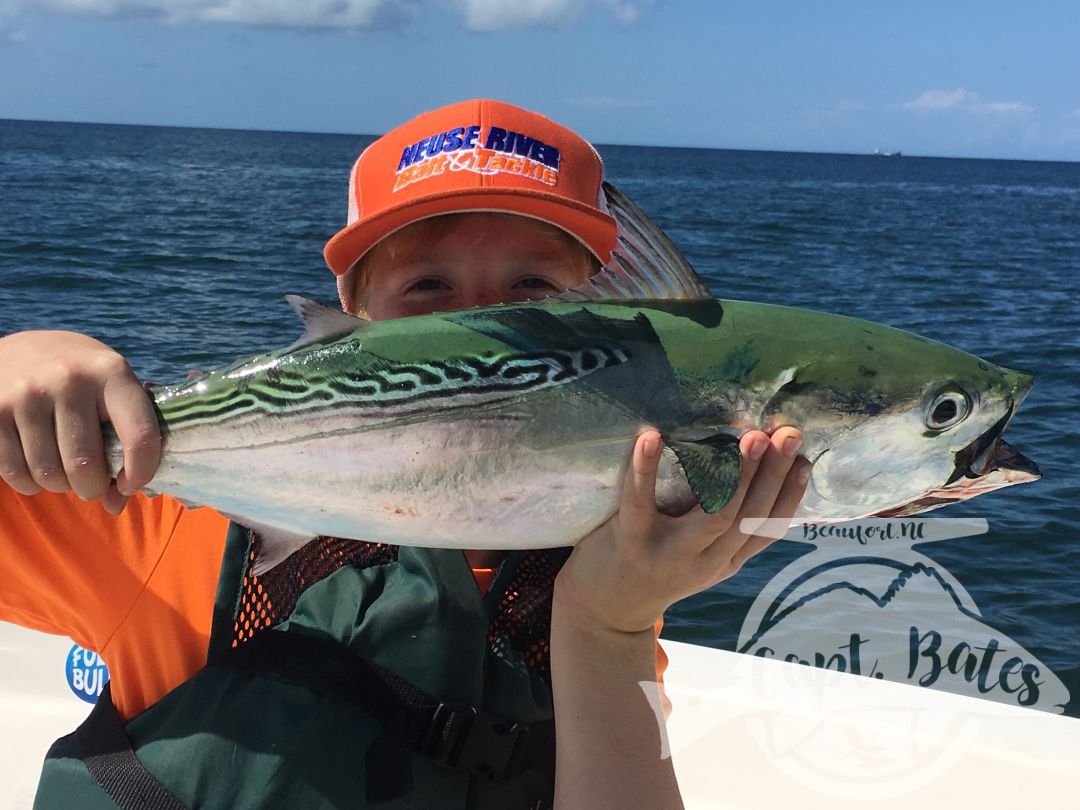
(628, 12)
(1004, 108)
(965, 100)
(939, 99)
(498, 15)
(504, 15)
(477, 15)
(278, 13)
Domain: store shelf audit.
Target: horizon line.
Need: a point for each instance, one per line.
(596, 143)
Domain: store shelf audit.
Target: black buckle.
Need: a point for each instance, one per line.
(462, 739)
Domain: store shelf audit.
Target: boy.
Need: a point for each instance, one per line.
(360, 674)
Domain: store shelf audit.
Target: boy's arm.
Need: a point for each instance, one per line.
(616, 584)
(610, 732)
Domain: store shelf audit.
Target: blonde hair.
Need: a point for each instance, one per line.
(400, 244)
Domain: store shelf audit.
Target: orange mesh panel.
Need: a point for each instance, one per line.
(523, 620)
(269, 599)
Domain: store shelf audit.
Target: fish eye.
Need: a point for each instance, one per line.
(948, 408)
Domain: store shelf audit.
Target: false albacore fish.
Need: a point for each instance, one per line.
(509, 427)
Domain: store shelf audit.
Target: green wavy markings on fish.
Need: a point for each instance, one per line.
(510, 427)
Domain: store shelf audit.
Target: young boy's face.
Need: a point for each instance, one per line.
(469, 260)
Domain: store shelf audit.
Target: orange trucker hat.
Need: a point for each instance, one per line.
(478, 155)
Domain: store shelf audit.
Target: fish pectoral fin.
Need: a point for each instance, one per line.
(274, 545)
(320, 321)
(712, 466)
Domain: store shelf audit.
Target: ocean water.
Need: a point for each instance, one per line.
(175, 246)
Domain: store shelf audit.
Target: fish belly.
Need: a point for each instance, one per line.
(440, 484)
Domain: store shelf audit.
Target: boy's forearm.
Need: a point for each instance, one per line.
(608, 733)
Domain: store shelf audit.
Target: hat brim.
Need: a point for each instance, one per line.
(592, 227)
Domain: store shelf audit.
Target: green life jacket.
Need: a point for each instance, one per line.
(353, 675)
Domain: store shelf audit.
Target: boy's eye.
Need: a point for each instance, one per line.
(536, 283)
(428, 284)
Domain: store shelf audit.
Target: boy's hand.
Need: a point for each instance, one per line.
(57, 388)
(626, 573)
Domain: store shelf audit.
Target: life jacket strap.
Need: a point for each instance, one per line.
(460, 737)
(104, 748)
(464, 739)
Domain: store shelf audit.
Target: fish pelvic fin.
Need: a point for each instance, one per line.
(321, 322)
(712, 466)
(645, 264)
(274, 545)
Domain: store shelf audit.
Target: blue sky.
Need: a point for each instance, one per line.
(979, 79)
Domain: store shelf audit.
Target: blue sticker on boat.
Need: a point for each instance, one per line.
(86, 673)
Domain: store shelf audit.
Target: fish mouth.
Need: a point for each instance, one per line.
(989, 452)
(987, 464)
(976, 459)
(1007, 466)
(998, 465)
(1013, 464)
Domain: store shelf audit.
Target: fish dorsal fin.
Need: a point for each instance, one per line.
(320, 321)
(645, 264)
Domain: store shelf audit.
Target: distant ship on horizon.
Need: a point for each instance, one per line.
(896, 153)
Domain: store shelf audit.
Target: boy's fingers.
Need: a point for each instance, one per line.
(113, 501)
(645, 465)
(637, 511)
(787, 501)
(78, 436)
(127, 406)
(790, 495)
(35, 422)
(13, 468)
(769, 479)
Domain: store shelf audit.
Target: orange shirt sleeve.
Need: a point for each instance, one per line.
(137, 588)
(163, 639)
(661, 668)
(73, 569)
